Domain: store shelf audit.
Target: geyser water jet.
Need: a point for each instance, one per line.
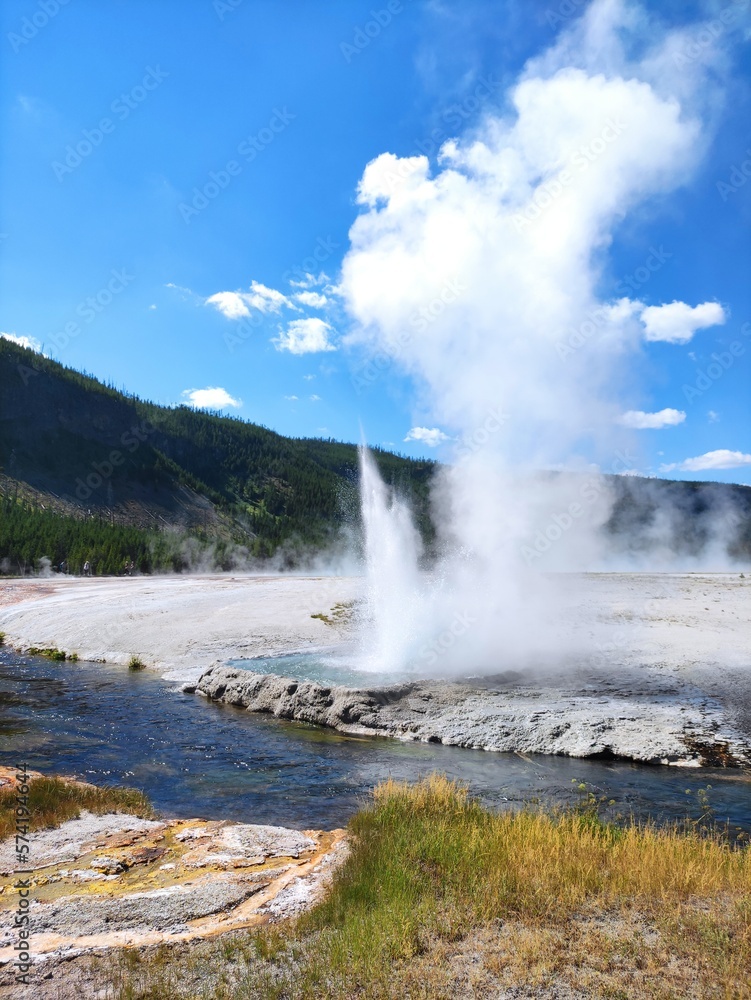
(476, 609)
(392, 548)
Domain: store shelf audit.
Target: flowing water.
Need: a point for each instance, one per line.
(193, 758)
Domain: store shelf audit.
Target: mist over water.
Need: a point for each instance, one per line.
(471, 610)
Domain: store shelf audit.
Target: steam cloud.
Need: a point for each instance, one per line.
(479, 278)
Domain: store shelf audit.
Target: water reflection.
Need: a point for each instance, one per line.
(193, 758)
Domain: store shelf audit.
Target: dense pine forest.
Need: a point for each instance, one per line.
(89, 473)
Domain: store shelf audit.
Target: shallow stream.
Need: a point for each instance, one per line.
(105, 724)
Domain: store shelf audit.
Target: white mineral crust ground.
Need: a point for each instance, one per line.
(666, 659)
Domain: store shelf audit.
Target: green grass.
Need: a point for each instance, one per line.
(52, 801)
(341, 614)
(439, 894)
(50, 653)
(430, 864)
(135, 663)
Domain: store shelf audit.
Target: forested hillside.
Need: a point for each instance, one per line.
(87, 471)
(90, 473)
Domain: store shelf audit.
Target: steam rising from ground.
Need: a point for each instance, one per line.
(523, 363)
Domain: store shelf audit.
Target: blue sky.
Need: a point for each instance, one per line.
(278, 107)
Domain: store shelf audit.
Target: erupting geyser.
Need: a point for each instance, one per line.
(482, 274)
(473, 610)
(392, 552)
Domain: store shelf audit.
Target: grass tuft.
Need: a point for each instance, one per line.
(52, 801)
(341, 614)
(50, 653)
(136, 663)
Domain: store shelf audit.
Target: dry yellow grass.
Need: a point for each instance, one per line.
(440, 898)
(52, 801)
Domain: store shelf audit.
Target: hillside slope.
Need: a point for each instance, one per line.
(88, 472)
(73, 447)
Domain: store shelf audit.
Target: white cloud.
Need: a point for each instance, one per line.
(185, 293)
(315, 399)
(639, 420)
(292, 399)
(31, 342)
(713, 416)
(676, 322)
(311, 280)
(305, 336)
(266, 299)
(308, 378)
(230, 304)
(720, 459)
(237, 305)
(430, 436)
(390, 177)
(210, 398)
(313, 299)
(152, 306)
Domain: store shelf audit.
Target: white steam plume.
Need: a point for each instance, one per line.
(479, 277)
